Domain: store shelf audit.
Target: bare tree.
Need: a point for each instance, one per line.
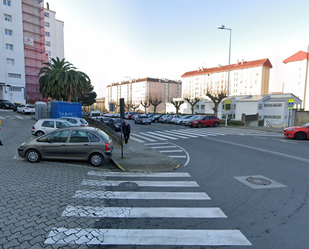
(127, 106)
(177, 104)
(145, 103)
(134, 106)
(155, 101)
(216, 99)
(192, 102)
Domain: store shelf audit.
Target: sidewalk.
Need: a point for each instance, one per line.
(138, 157)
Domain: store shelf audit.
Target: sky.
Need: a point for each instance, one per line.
(116, 40)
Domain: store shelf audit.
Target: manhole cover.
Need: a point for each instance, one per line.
(128, 185)
(258, 181)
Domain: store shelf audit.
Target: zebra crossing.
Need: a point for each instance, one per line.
(101, 185)
(16, 117)
(165, 135)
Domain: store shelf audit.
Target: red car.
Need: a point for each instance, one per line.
(297, 132)
(203, 121)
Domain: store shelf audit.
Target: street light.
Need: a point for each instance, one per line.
(228, 78)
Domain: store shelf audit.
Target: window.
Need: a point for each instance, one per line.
(7, 17)
(47, 43)
(14, 75)
(47, 34)
(10, 61)
(202, 106)
(7, 2)
(9, 32)
(9, 46)
(48, 124)
(79, 137)
(46, 24)
(60, 137)
(46, 14)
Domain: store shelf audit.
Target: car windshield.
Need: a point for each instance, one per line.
(305, 125)
(83, 121)
(45, 137)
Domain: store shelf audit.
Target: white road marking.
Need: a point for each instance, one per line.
(173, 156)
(263, 150)
(145, 138)
(152, 136)
(168, 146)
(143, 212)
(107, 183)
(142, 195)
(129, 174)
(107, 236)
(167, 151)
(160, 135)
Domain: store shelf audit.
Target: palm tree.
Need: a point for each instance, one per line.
(60, 80)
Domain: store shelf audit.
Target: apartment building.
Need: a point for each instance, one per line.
(54, 38)
(296, 77)
(12, 64)
(144, 89)
(246, 77)
(22, 45)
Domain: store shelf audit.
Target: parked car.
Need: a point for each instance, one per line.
(76, 121)
(115, 124)
(155, 118)
(204, 121)
(129, 114)
(297, 132)
(47, 125)
(180, 120)
(70, 143)
(187, 121)
(15, 105)
(104, 119)
(6, 104)
(163, 118)
(170, 119)
(26, 109)
(142, 119)
(95, 113)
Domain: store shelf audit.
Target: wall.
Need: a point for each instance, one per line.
(301, 117)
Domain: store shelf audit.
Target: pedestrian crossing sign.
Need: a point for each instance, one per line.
(228, 104)
(290, 103)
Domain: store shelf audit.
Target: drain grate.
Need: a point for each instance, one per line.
(258, 182)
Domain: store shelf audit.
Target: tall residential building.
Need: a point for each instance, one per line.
(22, 46)
(54, 39)
(144, 89)
(296, 77)
(246, 77)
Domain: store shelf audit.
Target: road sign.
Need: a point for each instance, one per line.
(228, 104)
(290, 103)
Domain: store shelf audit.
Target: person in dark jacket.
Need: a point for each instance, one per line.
(126, 129)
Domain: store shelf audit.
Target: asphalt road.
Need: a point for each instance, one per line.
(207, 203)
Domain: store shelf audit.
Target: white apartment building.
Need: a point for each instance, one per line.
(272, 108)
(54, 38)
(22, 47)
(143, 89)
(296, 77)
(12, 64)
(246, 77)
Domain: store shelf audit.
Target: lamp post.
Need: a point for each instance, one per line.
(228, 77)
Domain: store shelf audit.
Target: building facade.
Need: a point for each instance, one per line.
(246, 77)
(54, 37)
(272, 108)
(296, 77)
(145, 89)
(22, 45)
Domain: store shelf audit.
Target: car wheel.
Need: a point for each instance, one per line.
(33, 156)
(199, 125)
(300, 136)
(39, 133)
(24, 112)
(216, 124)
(96, 159)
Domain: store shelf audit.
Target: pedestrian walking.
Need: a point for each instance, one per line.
(0, 129)
(126, 129)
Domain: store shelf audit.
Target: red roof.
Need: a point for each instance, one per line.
(237, 66)
(299, 56)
